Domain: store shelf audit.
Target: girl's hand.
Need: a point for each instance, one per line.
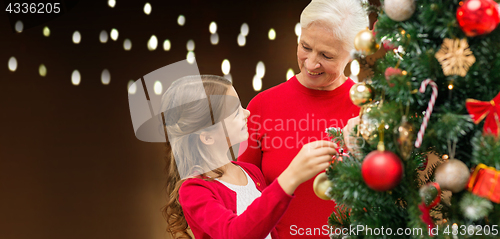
(313, 158)
(346, 131)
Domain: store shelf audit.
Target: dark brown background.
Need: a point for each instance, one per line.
(70, 165)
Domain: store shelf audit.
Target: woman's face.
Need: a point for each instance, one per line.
(321, 58)
(236, 123)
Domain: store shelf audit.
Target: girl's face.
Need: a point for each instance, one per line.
(236, 123)
(233, 128)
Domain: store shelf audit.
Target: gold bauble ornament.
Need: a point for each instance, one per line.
(368, 127)
(405, 137)
(322, 185)
(366, 42)
(452, 175)
(361, 94)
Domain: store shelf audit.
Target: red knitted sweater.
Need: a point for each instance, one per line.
(210, 208)
(282, 119)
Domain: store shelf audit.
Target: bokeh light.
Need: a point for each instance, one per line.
(181, 20)
(166, 45)
(127, 44)
(46, 31)
(226, 66)
(114, 34)
(298, 29)
(75, 77)
(214, 39)
(12, 64)
(152, 43)
(131, 87)
(103, 36)
(355, 67)
(257, 83)
(244, 29)
(19, 26)
(260, 69)
(158, 87)
(147, 8)
(77, 37)
(42, 70)
(190, 45)
(241, 40)
(213, 27)
(289, 74)
(190, 57)
(271, 34)
(105, 77)
(111, 3)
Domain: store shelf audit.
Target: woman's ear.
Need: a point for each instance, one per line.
(207, 138)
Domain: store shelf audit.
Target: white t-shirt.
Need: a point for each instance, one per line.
(244, 194)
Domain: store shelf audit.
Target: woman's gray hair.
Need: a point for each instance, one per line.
(345, 18)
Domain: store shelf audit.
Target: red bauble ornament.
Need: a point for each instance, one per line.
(382, 170)
(477, 17)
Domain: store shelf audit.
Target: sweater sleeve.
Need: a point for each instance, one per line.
(203, 207)
(253, 152)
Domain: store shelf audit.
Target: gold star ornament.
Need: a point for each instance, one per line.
(455, 57)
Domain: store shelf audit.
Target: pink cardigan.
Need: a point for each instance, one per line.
(210, 208)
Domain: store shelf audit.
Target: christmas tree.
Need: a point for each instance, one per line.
(431, 86)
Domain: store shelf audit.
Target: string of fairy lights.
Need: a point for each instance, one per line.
(152, 45)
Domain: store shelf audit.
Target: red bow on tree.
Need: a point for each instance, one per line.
(489, 110)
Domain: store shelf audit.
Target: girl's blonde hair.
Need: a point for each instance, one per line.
(184, 149)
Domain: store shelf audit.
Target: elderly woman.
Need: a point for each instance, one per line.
(298, 111)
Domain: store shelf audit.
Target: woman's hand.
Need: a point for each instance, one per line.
(313, 158)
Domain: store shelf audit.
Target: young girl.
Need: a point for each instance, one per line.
(216, 197)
